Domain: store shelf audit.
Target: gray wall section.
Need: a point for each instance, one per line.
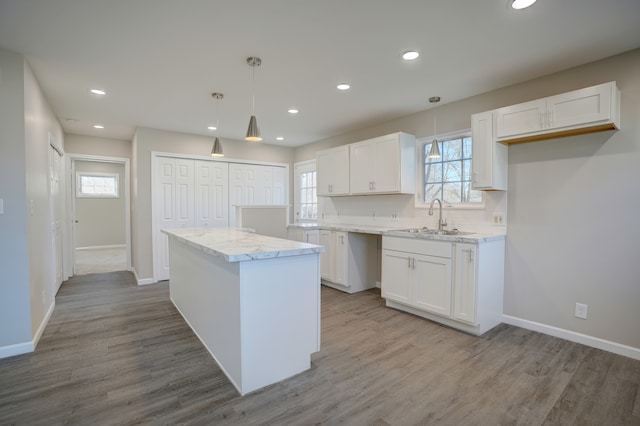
(101, 221)
(572, 220)
(91, 145)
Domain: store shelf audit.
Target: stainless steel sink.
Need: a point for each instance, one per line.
(428, 231)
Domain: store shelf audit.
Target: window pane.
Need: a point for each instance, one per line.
(467, 148)
(466, 170)
(451, 150)
(453, 192)
(432, 191)
(452, 171)
(433, 172)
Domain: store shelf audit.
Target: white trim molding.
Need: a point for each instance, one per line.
(142, 281)
(28, 347)
(572, 336)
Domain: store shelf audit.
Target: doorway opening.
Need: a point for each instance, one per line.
(100, 214)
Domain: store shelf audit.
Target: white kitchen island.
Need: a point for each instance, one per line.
(253, 300)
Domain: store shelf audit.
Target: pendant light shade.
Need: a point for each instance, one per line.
(434, 152)
(253, 131)
(216, 150)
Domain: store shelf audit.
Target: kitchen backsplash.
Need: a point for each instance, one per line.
(400, 211)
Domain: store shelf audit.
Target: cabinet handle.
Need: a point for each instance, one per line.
(550, 120)
(470, 255)
(409, 262)
(373, 185)
(341, 239)
(542, 120)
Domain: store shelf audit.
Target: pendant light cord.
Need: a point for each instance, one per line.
(253, 90)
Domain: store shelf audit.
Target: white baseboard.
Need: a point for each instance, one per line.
(572, 336)
(102, 247)
(28, 347)
(17, 349)
(43, 324)
(142, 281)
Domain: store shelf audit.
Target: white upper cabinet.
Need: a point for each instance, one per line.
(489, 160)
(333, 171)
(587, 110)
(383, 165)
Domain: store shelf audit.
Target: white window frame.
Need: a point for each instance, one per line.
(419, 200)
(80, 194)
(298, 168)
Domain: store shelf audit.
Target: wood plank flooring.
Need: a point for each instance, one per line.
(118, 354)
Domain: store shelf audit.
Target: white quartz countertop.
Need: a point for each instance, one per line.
(397, 231)
(234, 245)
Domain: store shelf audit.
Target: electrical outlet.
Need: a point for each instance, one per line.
(581, 310)
(498, 219)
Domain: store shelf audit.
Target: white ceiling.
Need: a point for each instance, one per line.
(160, 60)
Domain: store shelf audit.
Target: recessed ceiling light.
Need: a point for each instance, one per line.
(293, 111)
(343, 86)
(279, 138)
(98, 126)
(211, 127)
(521, 4)
(410, 55)
(98, 92)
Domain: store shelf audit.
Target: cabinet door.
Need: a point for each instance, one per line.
(464, 283)
(340, 180)
(165, 193)
(489, 159)
(396, 276)
(432, 284)
(340, 258)
(386, 164)
(312, 236)
(324, 174)
(361, 165)
(326, 257)
(580, 107)
(521, 118)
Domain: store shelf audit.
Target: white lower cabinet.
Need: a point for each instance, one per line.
(456, 284)
(349, 260)
(311, 236)
(418, 275)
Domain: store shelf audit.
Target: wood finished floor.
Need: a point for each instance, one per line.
(118, 354)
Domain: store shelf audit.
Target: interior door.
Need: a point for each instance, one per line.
(165, 189)
(55, 173)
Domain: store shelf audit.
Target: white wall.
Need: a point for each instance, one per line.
(26, 254)
(40, 122)
(147, 140)
(101, 221)
(15, 310)
(572, 205)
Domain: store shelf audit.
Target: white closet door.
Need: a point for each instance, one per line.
(185, 217)
(236, 186)
(165, 190)
(211, 194)
(278, 185)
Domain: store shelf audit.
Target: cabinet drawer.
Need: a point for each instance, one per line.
(419, 246)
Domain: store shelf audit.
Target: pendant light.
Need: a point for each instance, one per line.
(216, 151)
(253, 132)
(434, 152)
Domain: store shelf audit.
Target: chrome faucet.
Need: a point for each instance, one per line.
(441, 223)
